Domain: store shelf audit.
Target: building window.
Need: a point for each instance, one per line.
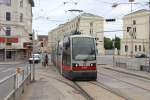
(143, 48)
(8, 44)
(135, 48)
(134, 22)
(8, 16)
(134, 30)
(91, 31)
(91, 28)
(21, 17)
(126, 48)
(21, 3)
(91, 24)
(128, 29)
(139, 47)
(8, 31)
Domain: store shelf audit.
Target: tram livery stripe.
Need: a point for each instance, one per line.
(78, 68)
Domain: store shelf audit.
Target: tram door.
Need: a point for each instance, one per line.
(66, 55)
(59, 56)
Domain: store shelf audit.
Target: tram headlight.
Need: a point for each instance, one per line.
(93, 64)
(75, 65)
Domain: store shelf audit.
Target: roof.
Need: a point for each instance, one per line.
(82, 35)
(32, 3)
(89, 15)
(138, 11)
(41, 37)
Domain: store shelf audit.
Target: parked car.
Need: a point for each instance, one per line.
(140, 55)
(37, 58)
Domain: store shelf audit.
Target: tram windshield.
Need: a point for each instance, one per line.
(83, 48)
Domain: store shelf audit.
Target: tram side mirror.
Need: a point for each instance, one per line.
(92, 51)
(67, 45)
(59, 54)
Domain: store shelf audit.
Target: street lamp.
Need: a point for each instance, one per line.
(131, 2)
(1, 27)
(131, 30)
(149, 37)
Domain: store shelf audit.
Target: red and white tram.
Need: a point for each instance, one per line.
(75, 57)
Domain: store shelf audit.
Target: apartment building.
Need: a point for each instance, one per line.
(136, 33)
(41, 44)
(15, 26)
(86, 23)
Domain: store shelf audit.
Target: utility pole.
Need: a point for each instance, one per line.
(131, 30)
(149, 36)
(5, 40)
(33, 66)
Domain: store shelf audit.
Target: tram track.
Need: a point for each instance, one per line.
(131, 84)
(126, 73)
(118, 93)
(82, 88)
(86, 95)
(132, 77)
(74, 85)
(79, 87)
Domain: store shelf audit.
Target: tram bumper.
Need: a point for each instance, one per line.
(81, 75)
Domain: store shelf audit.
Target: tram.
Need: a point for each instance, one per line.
(75, 57)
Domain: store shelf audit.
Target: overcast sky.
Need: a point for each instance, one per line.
(47, 14)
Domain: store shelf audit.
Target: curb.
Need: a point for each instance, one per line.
(12, 63)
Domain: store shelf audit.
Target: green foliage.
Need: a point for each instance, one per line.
(117, 42)
(108, 43)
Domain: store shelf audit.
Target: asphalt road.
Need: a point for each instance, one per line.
(5, 71)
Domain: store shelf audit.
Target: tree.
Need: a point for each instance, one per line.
(107, 43)
(117, 42)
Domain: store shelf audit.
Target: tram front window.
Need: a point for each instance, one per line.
(83, 48)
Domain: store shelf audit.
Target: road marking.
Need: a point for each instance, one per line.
(2, 69)
(9, 69)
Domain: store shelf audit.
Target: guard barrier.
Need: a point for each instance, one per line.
(13, 86)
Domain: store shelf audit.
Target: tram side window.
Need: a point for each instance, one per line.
(66, 53)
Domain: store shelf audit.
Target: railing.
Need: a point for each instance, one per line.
(12, 86)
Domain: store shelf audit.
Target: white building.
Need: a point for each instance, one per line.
(85, 23)
(138, 24)
(15, 25)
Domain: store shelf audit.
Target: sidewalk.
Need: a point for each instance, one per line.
(141, 74)
(47, 87)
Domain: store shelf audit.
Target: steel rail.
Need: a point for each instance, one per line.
(75, 86)
(84, 93)
(118, 93)
(131, 74)
(124, 82)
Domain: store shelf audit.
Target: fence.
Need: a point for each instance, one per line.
(13, 86)
(141, 64)
(133, 63)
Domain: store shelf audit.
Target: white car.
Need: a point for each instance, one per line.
(37, 58)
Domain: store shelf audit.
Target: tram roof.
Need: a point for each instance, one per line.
(81, 36)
